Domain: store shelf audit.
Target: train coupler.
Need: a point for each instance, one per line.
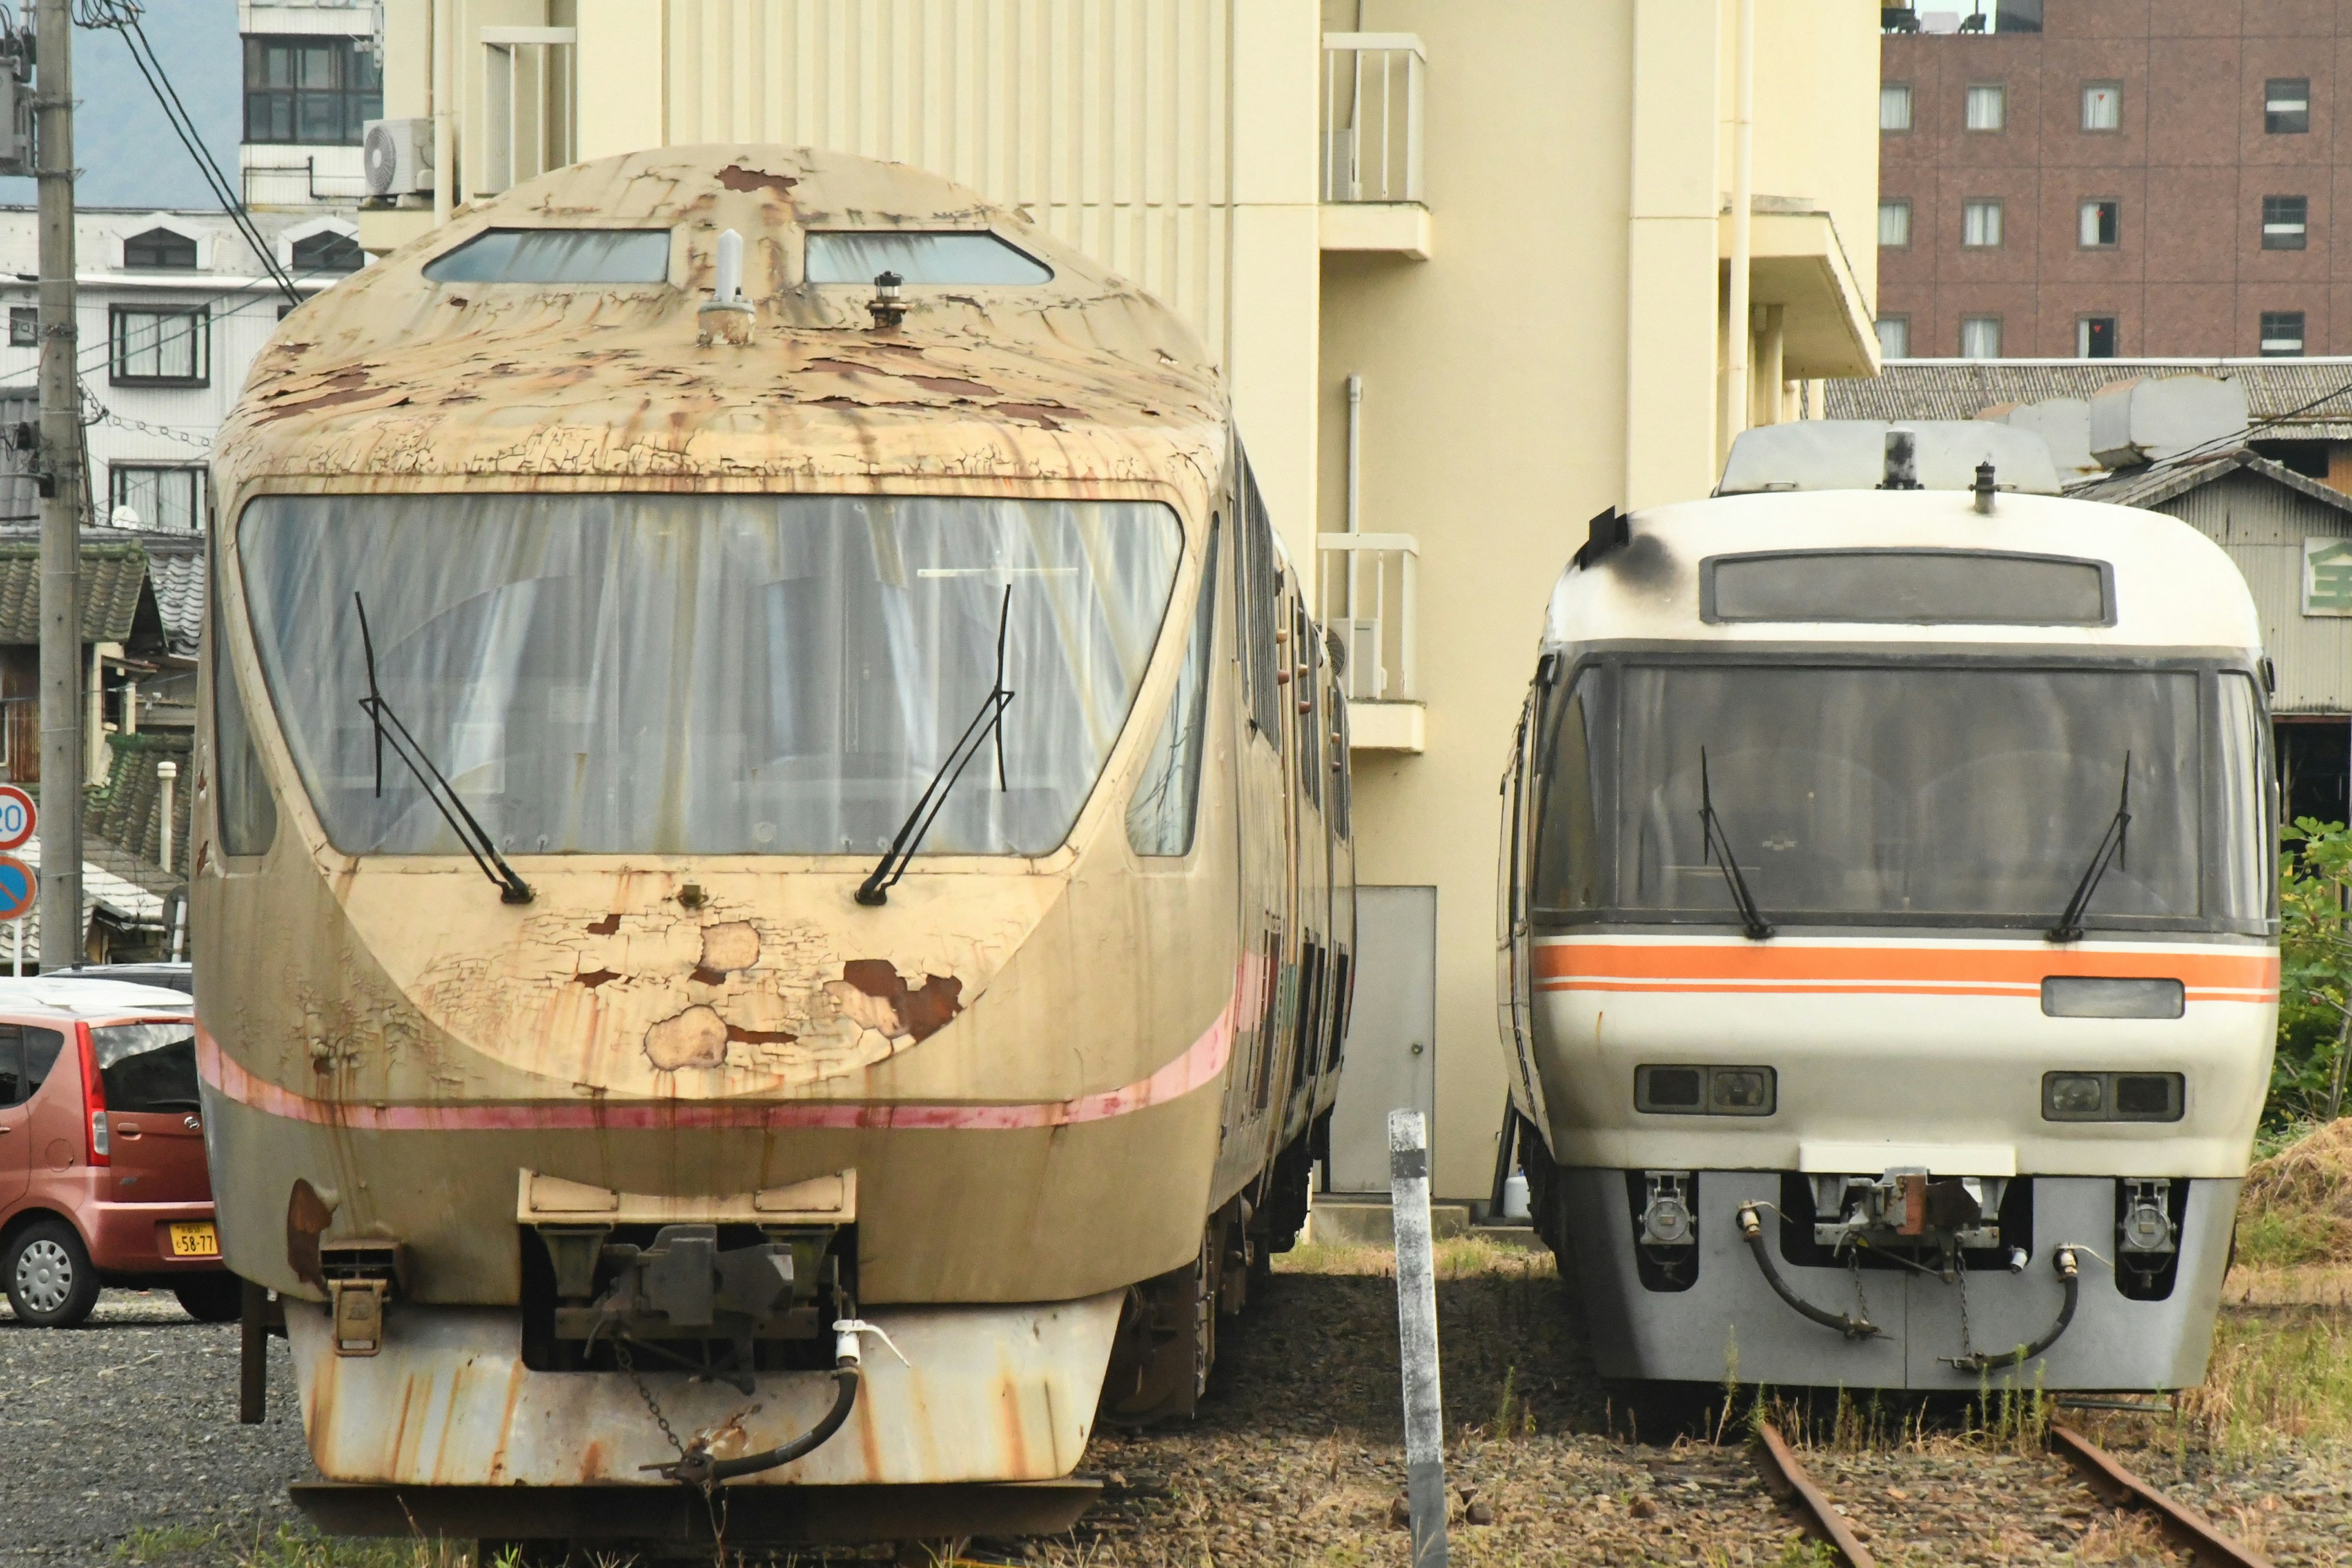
(360, 1276)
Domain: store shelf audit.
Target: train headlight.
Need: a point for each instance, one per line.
(1662, 1091)
(2113, 1096)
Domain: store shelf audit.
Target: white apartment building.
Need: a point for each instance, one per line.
(173, 308)
(313, 79)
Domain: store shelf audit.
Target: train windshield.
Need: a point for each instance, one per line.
(712, 675)
(1916, 795)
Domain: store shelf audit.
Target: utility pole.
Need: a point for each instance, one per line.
(60, 485)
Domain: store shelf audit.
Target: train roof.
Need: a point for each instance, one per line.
(2167, 585)
(396, 380)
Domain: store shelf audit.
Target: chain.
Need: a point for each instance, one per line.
(1968, 1337)
(621, 1354)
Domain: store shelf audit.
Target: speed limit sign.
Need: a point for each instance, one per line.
(16, 816)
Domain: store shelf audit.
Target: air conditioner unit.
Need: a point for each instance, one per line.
(398, 157)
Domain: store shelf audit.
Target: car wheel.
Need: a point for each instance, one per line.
(212, 1298)
(50, 1282)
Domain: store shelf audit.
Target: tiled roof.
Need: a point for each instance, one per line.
(175, 568)
(2158, 483)
(124, 811)
(124, 903)
(2309, 399)
(113, 575)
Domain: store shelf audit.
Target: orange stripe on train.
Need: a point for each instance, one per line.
(1939, 968)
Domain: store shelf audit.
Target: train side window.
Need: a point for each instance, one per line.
(1567, 872)
(1343, 777)
(1306, 676)
(1260, 610)
(1159, 820)
(2247, 878)
(248, 813)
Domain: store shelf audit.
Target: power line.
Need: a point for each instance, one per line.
(99, 354)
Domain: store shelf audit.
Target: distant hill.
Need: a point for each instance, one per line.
(125, 148)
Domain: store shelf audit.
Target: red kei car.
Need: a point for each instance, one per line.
(102, 1174)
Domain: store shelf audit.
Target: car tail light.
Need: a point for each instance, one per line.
(98, 1148)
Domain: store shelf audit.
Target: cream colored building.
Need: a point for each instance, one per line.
(1511, 225)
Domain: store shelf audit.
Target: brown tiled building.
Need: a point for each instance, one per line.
(2098, 178)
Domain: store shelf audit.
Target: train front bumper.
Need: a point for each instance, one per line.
(1729, 1322)
(985, 1394)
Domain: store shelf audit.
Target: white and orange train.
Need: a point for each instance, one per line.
(1889, 970)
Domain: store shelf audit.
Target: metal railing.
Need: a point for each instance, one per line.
(1371, 117)
(1369, 585)
(528, 122)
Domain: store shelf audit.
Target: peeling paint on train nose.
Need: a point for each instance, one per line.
(987, 1393)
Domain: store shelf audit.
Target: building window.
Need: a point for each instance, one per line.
(2094, 337)
(1979, 337)
(2286, 222)
(2103, 106)
(1894, 106)
(1979, 225)
(327, 251)
(2282, 334)
(159, 249)
(1893, 337)
(1895, 224)
(2102, 223)
(310, 90)
(24, 327)
(1988, 108)
(169, 499)
(167, 347)
(2286, 106)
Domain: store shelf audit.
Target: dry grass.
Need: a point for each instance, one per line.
(1456, 1257)
(2296, 1209)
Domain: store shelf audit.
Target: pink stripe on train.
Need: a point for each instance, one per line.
(1196, 1068)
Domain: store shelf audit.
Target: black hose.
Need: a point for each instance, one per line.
(1751, 1230)
(2064, 1260)
(697, 1467)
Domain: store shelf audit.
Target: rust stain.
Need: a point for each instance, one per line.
(743, 1036)
(595, 977)
(922, 1011)
(349, 385)
(735, 177)
(608, 926)
(695, 1037)
(848, 367)
(704, 975)
(307, 1217)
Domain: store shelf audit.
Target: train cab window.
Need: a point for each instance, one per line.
(1907, 586)
(1160, 819)
(609, 255)
(969, 258)
(2246, 861)
(248, 813)
(1905, 793)
(630, 673)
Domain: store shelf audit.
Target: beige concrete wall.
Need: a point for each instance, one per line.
(1559, 352)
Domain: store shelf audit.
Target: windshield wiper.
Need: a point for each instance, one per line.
(2109, 852)
(990, 720)
(443, 795)
(1717, 845)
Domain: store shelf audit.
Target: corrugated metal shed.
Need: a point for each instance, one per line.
(2309, 399)
(2261, 513)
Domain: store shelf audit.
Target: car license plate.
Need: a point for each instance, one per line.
(198, 1239)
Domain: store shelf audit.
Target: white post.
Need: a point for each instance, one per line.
(131, 707)
(1737, 394)
(165, 772)
(1416, 1274)
(444, 71)
(16, 929)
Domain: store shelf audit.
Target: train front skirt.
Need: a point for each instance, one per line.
(985, 1394)
(1730, 1322)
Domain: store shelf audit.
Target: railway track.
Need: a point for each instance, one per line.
(2208, 1546)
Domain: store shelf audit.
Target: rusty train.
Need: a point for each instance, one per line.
(772, 857)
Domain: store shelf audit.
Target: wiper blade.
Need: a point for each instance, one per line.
(443, 795)
(2109, 852)
(990, 720)
(1718, 848)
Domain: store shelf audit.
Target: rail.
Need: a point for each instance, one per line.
(1956, 16)
(529, 120)
(1787, 1478)
(2208, 1546)
(1369, 589)
(1373, 92)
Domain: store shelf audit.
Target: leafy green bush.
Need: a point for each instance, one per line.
(2307, 1077)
